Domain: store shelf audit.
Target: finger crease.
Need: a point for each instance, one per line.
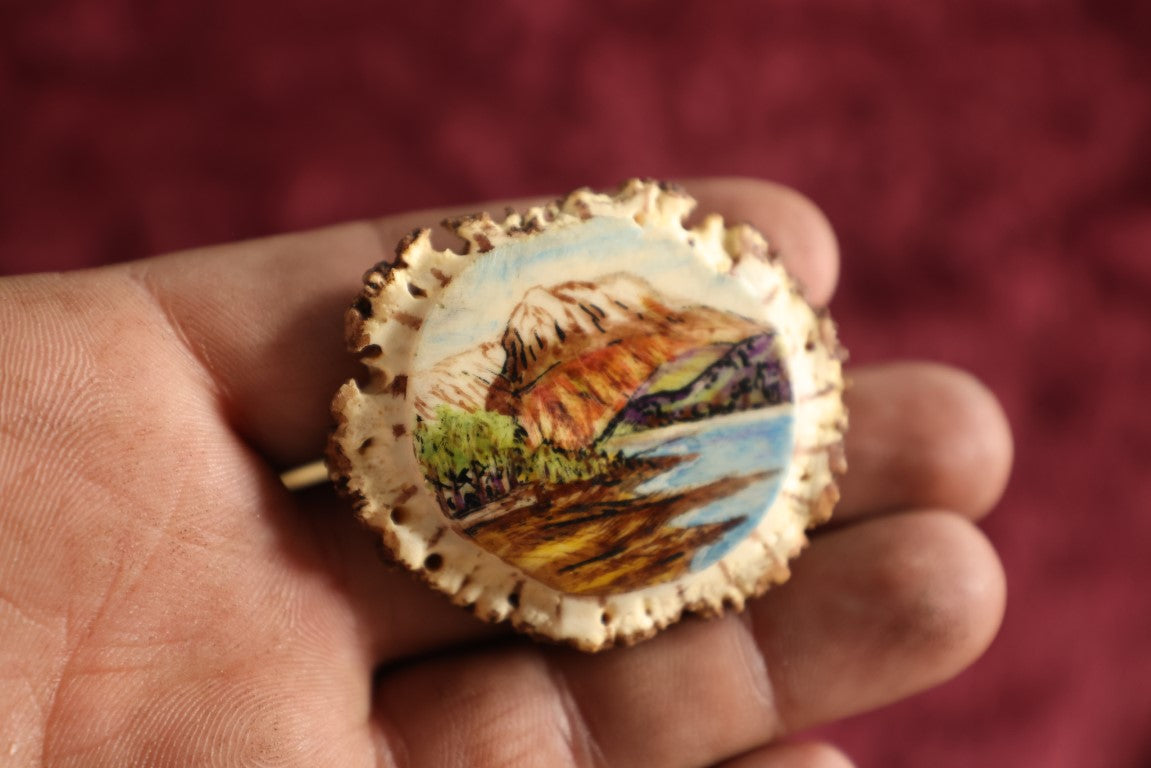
(391, 752)
(759, 674)
(139, 275)
(581, 743)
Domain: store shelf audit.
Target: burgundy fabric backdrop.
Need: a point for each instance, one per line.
(987, 166)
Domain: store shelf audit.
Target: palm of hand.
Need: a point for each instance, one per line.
(163, 601)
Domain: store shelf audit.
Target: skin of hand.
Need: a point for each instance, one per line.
(164, 601)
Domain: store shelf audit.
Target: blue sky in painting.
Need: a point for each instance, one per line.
(475, 307)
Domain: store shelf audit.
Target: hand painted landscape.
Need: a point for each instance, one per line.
(611, 438)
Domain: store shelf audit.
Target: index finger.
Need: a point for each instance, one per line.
(265, 318)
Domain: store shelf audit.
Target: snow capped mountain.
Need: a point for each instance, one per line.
(551, 323)
(464, 381)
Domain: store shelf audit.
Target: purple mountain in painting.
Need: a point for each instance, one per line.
(748, 375)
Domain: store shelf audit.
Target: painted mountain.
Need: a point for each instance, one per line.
(463, 381)
(744, 376)
(513, 434)
(577, 352)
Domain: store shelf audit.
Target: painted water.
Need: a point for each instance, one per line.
(734, 445)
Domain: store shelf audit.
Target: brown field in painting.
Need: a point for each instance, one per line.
(602, 536)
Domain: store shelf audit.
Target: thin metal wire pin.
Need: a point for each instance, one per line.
(305, 475)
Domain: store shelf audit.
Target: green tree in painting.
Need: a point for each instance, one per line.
(472, 456)
(456, 439)
(476, 457)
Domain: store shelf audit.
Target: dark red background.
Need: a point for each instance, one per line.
(987, 165)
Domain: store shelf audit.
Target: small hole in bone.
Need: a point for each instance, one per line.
(434, 562)
(363, 305)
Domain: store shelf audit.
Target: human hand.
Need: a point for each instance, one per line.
(164, 601)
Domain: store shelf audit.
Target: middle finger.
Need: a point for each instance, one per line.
(922, 436)
(874, 612)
